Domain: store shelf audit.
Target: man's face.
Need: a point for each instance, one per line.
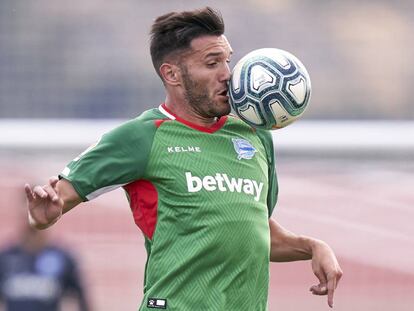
(205, 73)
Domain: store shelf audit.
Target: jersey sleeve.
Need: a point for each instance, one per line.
(266, 138)
(119, 157)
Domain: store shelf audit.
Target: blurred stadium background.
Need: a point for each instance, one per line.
(71, 70)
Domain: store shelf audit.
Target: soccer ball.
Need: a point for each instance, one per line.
(269, 88)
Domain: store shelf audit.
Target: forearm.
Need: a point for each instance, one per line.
(287, 246)
(68, 194)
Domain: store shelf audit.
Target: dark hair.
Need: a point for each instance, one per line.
(173, 32)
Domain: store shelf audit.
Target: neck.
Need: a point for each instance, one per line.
(186, 112)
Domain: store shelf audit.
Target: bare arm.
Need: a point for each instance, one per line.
(287, 246)
(47, 203)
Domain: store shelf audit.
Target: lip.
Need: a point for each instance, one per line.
(223, 92)
(223, 95)
(224, 98)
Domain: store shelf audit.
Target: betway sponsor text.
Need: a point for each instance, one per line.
(222, 182)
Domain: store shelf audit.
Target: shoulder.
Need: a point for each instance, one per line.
(148, 118)
(141, 126)
(151, 115)
(10, 255)
(264, 135)
(10, 250)
(241, 126)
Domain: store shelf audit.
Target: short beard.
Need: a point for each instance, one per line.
(199, 101)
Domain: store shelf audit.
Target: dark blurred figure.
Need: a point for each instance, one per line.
(37, 276)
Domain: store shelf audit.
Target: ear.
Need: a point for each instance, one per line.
(171, 74)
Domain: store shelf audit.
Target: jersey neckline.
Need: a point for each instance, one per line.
(211, 129)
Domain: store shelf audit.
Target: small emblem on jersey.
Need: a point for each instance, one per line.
(157, 303)
(244, 148)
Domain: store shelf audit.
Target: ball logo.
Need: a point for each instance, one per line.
(244, 148)
(260, 78)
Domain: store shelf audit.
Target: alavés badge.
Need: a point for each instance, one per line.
(244, 148)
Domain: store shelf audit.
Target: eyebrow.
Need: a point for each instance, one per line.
(215, 54)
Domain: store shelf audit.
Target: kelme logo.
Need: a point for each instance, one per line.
(244, 148)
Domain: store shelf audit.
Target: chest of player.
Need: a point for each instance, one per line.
(184, 160)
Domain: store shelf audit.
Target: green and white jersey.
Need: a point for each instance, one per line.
(202, 198)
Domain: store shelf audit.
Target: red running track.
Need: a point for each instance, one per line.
(362, 208)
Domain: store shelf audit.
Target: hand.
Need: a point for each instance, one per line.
(326, 268)
(44, 205)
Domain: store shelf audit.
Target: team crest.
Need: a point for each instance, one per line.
(244, 148)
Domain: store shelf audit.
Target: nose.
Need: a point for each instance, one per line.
(226, 73)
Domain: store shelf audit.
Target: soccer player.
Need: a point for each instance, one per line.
(38, 276)
(201, 183)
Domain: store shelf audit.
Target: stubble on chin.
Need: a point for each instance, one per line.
(224, 111)
(199, 100)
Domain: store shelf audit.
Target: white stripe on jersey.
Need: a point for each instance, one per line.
(103, 190)
(166, 113)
